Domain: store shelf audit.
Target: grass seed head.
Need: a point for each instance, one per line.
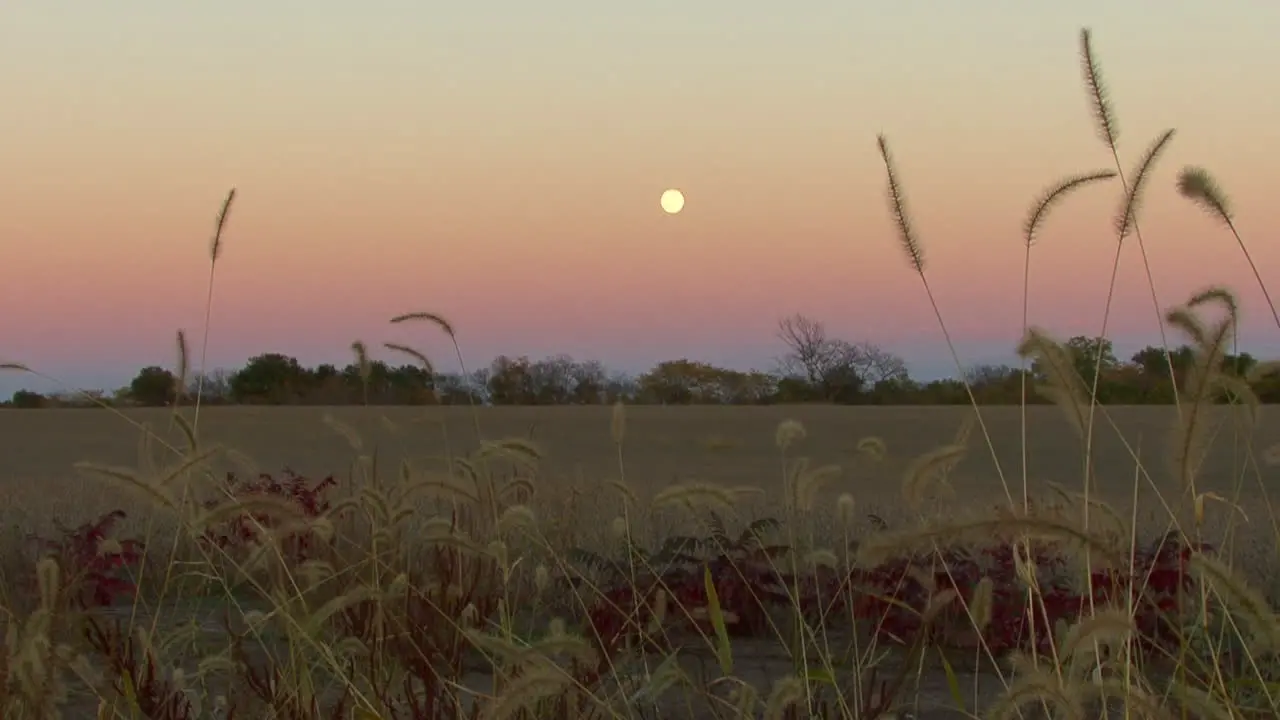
(788, 433)
(1106, 627)
(981, 604)
(157, 495)
(1127, 217)
(427, 317)
(182, 369)
(1038, 684)
(1198, 186)
(517, 517)
(220, 225)
(695, 496)
(787, 691)
(1103, 113)
(810, 481)
(1054, 196)
(898, 209)
(820, 557)
(1064, 386)
(522, 693)
(348, 433)
(873, 447)
(416, 354)
(927, 474)
(618, 423)
(619, 528)
(49, 582)
(1250, 605)
(845, 507)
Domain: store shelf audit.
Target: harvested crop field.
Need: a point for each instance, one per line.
(663, 445)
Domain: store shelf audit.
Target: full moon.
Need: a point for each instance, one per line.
(672, 201)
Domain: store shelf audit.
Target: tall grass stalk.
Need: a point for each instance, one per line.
(911, 245)
(215, 252)
(1126, 222)
(1198, 186)
(1039, 212)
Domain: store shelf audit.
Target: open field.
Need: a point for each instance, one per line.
(664, 445)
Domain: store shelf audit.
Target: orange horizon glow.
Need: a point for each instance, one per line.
(503, 169)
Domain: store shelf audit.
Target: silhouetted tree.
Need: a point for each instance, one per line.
(153, 386)
(1087, 353)
(27, 400)
(817, 368)
(837, 370)
(999, 384)
(272, 378)
(457, 389)
(510, 381)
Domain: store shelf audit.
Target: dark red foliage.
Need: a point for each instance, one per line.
(94, 577)
(891, 597)
(745, 582)
(306, 495)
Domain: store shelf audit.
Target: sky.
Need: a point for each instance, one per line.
(500, 163)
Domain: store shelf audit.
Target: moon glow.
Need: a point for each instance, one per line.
(672, 201)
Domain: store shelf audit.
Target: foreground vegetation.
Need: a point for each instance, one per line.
(474, 589)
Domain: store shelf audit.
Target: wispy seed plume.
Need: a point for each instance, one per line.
(788, 433)
(432, 318)
(215, 245)
(362, 358)
(1127, 218)
(845, 505)
(183, 368)
(1064, 385)
(413, 353)
(898, 209)
(215, 251)
(1198, 186)
(873, 447)
(618, 423)
(364, 366)
(1053, 196)
(1103, 113)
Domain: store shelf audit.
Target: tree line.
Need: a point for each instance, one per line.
(816, 368)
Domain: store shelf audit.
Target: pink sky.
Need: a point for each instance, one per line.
(506, 173)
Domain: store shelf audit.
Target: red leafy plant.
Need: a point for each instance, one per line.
(97, 569)
(742, 569)
(239, 533)
(414, 617)
(893, 594)
(890, 596)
